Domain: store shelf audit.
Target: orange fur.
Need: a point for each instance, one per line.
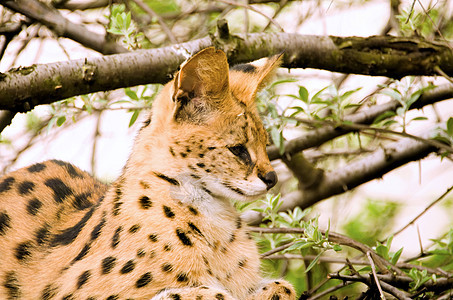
(165, 229)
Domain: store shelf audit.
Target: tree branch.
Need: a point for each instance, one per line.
(52, 18)
(317, 137)
(373, 165)
(409, 57)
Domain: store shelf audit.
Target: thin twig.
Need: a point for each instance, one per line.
(278, 249)
(252, 9)
(443, 74)
(424, 211)
(161, 21)
(376, 279)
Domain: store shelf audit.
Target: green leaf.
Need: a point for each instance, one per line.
(419, 119)
(303, 94)
(396, 256)
(450, 127)
(127, 20)
(337, 247)
(134, 117)
(282, 81)
(61, 120)
(383, 251)
(131, 94)
(312, 264)
(383, 116)
(394, 94)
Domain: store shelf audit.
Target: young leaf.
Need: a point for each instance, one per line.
(303, 94)
(61, 120)
(134, 117)
(450, 127)
(312, 264)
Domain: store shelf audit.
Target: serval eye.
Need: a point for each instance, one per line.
(241, 152)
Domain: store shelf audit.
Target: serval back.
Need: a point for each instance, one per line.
(165, 229)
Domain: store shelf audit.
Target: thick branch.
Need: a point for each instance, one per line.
(317, 137)
(52, 18)
(397, 58)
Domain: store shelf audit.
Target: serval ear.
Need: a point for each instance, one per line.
(200, 86)
(247, 79)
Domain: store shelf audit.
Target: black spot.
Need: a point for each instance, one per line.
(128, 267)
(141, 253)
(195, 228)
(144, 280)
(117, 200)
(183, 237)
(145, 202)
(33, 206)
(183, 154)
(172, 152)
(195, 176)
(82, 253)
(68, 235)
(201, 165)
(83, 278)
(166, 178)
(42, 235)
(245, 68)
(220, 296)
(134, 228)
(167, 247)
(242, 263)
(175, 296)
(5, 223)
(6, 184)
(22, 251)
(233, 188)
(168, 212)
(116, 237)
(211, 148)
(232, 237)
(275, 297)
(61, 190)
(167, 267)
(36, 168)
(70, 168)
(68, 297)
(287, 290)
(81, 201)
(11, 284)
(144, 185)
(182, 277)
(153, 237)
(146, 123)
(108, 264)
(238, 223)
(200, 155)
(193, 210)
(277, 282)
(49, 292)
(97, 229)
(113, 297)
(25, 187)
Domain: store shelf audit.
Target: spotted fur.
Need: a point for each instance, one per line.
(165, 229)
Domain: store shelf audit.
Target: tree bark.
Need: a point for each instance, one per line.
(317, 137)
(381, 56)
(53, 19)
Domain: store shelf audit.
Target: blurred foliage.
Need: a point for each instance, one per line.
(373, 222)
